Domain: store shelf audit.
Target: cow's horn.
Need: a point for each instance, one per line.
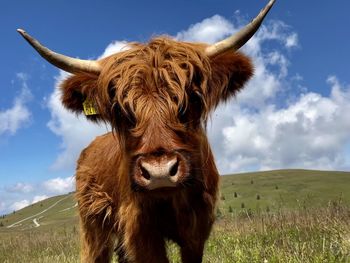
(72, 65)
(237, 40)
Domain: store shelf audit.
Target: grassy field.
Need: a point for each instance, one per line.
(284, 189)
(299, 216)
(64, 212)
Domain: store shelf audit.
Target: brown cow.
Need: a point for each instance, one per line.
(153, 178)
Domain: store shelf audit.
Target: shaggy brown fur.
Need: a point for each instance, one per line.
(157, 98)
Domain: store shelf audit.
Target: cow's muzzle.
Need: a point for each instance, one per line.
(160, 170)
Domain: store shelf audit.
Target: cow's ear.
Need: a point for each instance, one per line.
(230, 71)
(80, 95)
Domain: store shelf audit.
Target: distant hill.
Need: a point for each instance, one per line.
(284, 189)
(259, 191)
(54, 211)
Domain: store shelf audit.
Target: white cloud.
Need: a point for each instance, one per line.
(209, 30)
(114, 47)
(20, 188)
(23, 203)
(18, 115)
(292, 41)
(59, 185)
(310, 133)
(39, 198)
(276, 30)
(19, 205)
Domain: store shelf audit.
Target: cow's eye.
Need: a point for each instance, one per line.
(196, 99)
(129, 119)
(182, 116)
(196, 105)
(193, 112)
(123, 117)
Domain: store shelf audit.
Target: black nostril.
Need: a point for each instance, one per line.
(173, 170)
(145, 173)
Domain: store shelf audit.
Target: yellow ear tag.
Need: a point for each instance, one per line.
(89, 108)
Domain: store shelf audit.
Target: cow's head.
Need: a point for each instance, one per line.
(157, 97)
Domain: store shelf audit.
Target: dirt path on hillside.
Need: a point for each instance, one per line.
(33, 216)
(36, 223)
(69, 208)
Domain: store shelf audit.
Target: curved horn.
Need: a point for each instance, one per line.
(72, 65)
(237, 40)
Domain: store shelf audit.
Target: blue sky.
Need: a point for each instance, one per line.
(293, 114)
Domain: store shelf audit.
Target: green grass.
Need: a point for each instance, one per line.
(301, 216)
(54, 216)
(313, 235)
(287, 189)
(305, 236)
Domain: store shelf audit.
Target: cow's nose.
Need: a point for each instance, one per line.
(158, 169)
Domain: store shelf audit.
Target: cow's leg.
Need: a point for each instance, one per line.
(96, 244)
(192, 253)
(96, 211)
(141, 243)
(193, 237)
(146, 249)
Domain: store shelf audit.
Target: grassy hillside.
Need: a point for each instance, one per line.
(284, 189)
(60, 210)
(260, 191)
(299, 216)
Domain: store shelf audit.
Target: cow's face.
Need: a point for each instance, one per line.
(157, 98)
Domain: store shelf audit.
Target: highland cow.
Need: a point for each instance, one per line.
(153, 177)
